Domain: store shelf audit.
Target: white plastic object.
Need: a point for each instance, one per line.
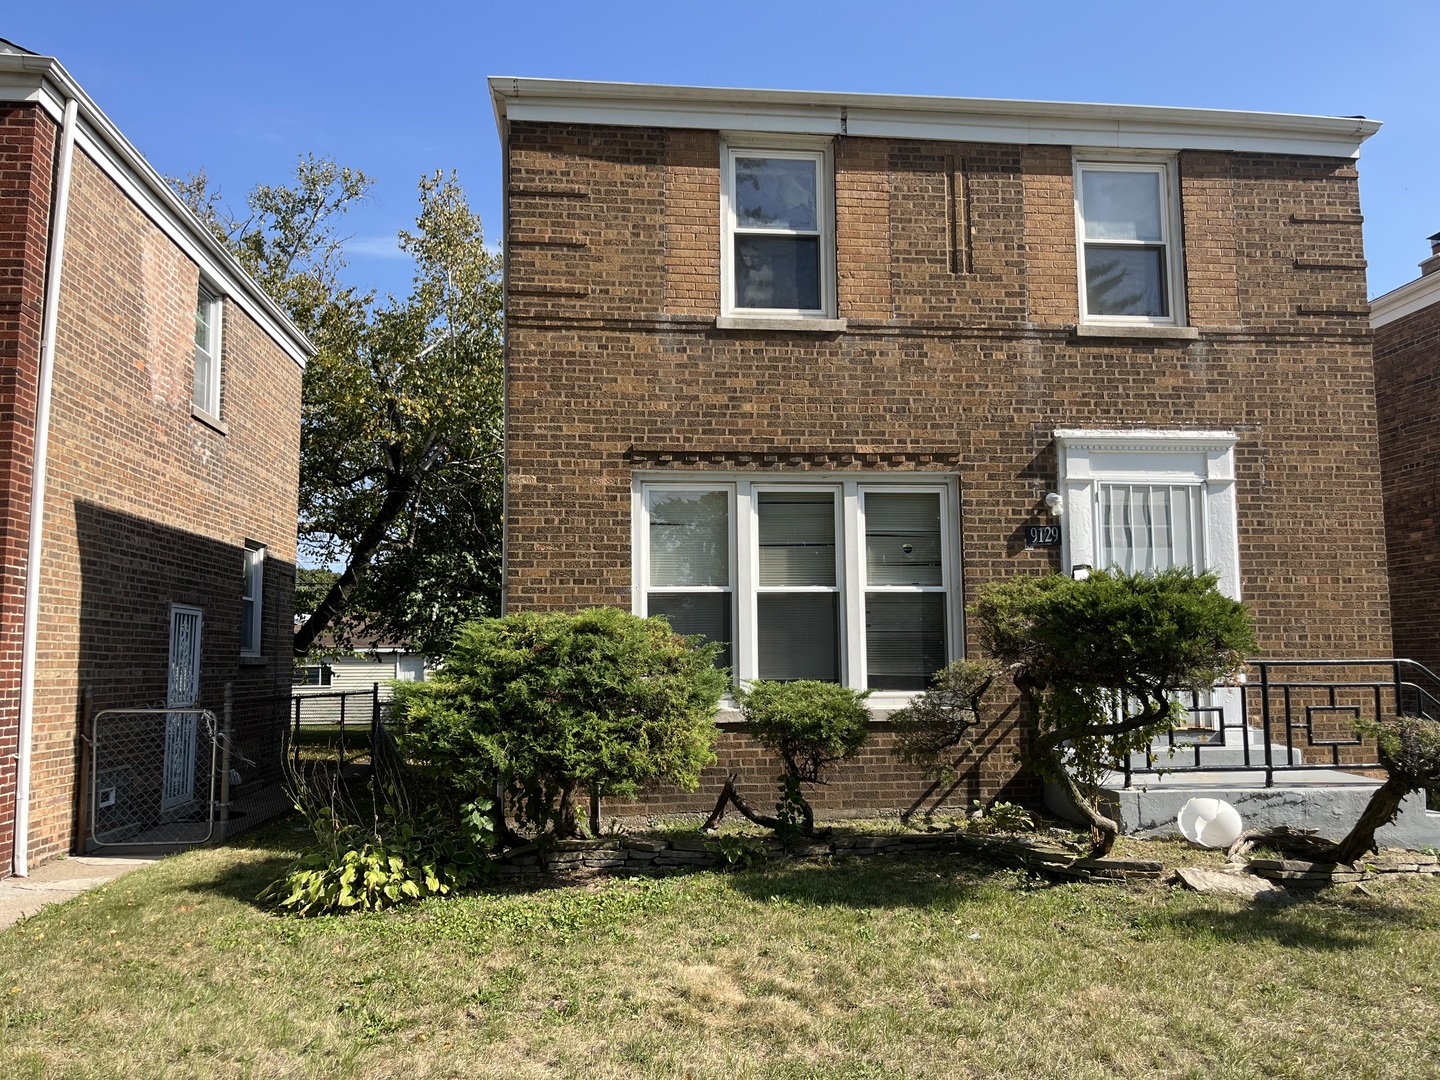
(1211, 823)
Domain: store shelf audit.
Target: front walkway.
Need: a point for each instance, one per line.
(61, 880)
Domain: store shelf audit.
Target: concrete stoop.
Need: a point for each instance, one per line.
(1327, 802)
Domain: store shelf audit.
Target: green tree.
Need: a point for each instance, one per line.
(809, 726)
(547, 703)
(1101, 660)
(400, 471)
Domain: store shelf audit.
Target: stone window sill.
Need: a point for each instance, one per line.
(789, 323)
(212, 422)
(1149, 333)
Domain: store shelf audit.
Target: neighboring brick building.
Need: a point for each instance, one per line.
(149, 401)
(799, 370)
(1406, 322)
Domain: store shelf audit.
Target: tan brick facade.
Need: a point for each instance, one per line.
(145, 505)
(1407, 398)
(956, 271)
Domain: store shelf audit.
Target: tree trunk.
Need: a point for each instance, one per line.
(595, 812)
(1103, 830)
(568, 826)
(361, 555)
(729, 796)
(1384, 804)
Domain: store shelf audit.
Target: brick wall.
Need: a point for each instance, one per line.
(959, 357)
(27, 149)
(145, 505)
(1407, 398)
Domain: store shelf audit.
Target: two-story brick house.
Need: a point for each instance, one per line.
(1406, 322)
(149, 447)
(802, 371)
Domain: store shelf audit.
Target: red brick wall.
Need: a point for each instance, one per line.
(146, 506)
(1407, 398)
(959, 357)
(27, 150)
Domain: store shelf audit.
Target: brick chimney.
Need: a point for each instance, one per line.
(1432, 264)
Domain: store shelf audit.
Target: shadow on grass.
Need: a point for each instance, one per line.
(1305, 920)
(876, 881)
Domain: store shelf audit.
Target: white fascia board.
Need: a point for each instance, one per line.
(1409, 298)
(1142, 127)
(42, 79)
(1142, 439)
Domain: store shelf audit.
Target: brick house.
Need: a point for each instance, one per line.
(802, 371)
(1406, 322)
(149, 443)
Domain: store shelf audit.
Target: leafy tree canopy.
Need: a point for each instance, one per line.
(400, 459)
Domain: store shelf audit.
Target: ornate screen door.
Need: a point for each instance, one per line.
(178, 777)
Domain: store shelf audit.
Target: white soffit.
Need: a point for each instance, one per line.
(1409, 298)
(44, 81)
(1131, 127)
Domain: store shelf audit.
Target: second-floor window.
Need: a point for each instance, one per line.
(1126, 221)
(778, 232)
(207, 353)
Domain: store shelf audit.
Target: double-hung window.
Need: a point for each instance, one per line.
(206, 397)
(251, 594)
(1126, 217)
(778, 246)
(841, 580)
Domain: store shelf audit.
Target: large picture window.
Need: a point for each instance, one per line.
(1130, 267)
(844, 580)
(778, 245)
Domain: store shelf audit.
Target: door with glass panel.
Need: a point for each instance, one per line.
(177, 787)
(1149, 528)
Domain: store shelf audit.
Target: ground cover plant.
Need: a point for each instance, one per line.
(876, 967)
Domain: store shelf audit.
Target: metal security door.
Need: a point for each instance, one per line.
(178, 777)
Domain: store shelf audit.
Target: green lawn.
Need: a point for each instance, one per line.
(876, 967)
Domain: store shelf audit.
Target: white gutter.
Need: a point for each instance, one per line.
(54, 261)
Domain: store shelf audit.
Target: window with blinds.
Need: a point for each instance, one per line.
(847, 581)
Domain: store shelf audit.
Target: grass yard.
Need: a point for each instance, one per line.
(874, 967)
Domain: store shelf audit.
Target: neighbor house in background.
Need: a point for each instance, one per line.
(149, 446)
(1406, 322)
(367, 662)
(803, 371)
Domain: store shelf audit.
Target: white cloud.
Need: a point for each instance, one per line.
(375, 247)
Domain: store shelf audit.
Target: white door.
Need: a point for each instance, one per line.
(178, 778)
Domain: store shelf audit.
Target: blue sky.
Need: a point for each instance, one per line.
(242, 89)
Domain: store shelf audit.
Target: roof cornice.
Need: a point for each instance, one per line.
(1130, 127)
(1409, 298)
(44, 81)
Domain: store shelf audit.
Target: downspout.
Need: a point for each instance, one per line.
(55, 258)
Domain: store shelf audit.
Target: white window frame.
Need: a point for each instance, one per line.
(324, 676)
(206, 397)
(1171, 233)
(252, 592)
(819, 151)
(742, 489)
(1088, 460)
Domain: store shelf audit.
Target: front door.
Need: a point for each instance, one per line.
(178, 777)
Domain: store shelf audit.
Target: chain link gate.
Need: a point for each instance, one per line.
(152, 778)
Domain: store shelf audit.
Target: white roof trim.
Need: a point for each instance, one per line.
(44, 81)
(1409, 298)
(1132, 127)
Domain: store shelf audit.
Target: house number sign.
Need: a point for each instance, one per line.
(1042, 536)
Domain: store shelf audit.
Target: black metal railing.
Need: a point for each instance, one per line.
(1291, 715)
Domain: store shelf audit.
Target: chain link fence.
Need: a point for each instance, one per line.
(171, 778)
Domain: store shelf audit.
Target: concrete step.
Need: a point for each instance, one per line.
(1328, 802)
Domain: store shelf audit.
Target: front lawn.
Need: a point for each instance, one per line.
(873, 967)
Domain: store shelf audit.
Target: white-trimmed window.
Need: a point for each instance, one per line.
(842, 580)
(251, 595)
(1127, 222)
(1147, 501)
(314, 675)
(207, 353)
(778, 244)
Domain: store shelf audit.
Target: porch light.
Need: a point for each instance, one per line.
(1055, 503)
